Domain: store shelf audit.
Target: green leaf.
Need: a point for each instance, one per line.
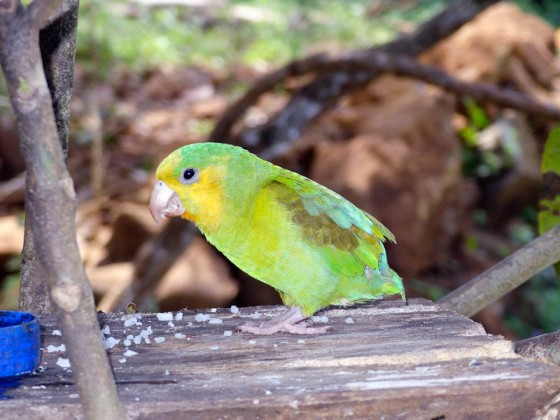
(549, 204)
(549, 214)
(551, 155)
(477, 116)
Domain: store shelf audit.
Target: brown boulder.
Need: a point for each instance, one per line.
(502, 44)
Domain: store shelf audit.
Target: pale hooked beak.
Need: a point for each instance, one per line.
(164, 202)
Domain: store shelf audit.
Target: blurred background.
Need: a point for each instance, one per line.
(458, 183)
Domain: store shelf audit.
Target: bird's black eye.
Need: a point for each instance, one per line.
(188, 176)
(188, 173)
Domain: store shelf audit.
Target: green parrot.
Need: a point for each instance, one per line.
(309, 243)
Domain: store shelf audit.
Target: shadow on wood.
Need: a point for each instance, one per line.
(381, 359)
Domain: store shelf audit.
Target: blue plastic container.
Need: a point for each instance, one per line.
(20, 342)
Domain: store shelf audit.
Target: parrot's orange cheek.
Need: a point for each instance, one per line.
(189, 216)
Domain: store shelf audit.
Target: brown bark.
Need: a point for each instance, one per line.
(51, 203)
(58, 47)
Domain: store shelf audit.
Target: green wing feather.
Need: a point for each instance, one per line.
(318, 200)
(350, 240)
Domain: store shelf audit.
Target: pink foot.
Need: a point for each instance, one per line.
(293, 322)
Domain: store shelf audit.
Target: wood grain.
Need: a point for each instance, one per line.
(393, 361)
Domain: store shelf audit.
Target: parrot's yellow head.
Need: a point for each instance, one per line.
(201, 182)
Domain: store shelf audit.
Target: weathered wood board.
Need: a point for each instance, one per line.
(382, 360)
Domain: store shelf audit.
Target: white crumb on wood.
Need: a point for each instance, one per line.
(52, 348)
(228, 333)
(215, 321)
(201, 317)
(178, 316)
(106, 330)
(234, 309)
(159, 339)
(349, 320)
(179, 335)
(165, 316)
(110, 342)
(320, 319)
(129, 322)
(63, 363)
(129, 353)
(56, 332)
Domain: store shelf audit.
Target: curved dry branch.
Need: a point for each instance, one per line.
(314, 98)
(379, 62)
(51, 204)
(505, 276)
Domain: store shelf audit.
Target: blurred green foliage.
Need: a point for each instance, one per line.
(548, 10)
(533, 308)
(250, 32)
(549, 215)
(536, 308)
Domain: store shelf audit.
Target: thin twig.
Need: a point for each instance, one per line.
(505, 276)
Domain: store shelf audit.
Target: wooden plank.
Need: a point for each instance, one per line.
(393, 361)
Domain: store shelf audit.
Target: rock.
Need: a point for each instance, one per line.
(502, 44)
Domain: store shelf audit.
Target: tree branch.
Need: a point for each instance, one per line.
(50, 207)
(40, 12)
(505, 276)
(58, 48)
(314, 98)
(379, 62)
